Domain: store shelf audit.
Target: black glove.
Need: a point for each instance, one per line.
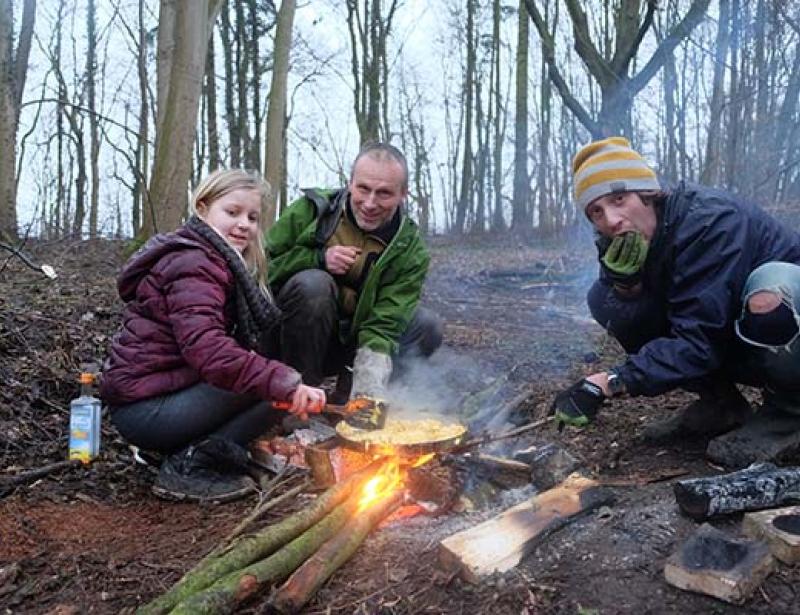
(622, 258)
(577, 405)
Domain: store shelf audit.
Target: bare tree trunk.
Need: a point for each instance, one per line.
(13, 67)
(8, 126)
(241, 66)
(521, 178)
(214, 160)
(231, 119)
(547, 217)
(142, 147)
(498, 222)
(369, 32)
(276, 111)
(732, 148)
(255, 83)
(94, 124)
(712, 164)
(172, 166)
(465, 193)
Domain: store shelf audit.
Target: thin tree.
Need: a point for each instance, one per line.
(179, 95)
(521, 186)
(13, 68)
(465, 191)
(276, 111)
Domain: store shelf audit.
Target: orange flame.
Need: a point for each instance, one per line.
(380, 485)
(423, 460)
(387, 480)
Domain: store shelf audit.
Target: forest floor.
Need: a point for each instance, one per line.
(94, 539)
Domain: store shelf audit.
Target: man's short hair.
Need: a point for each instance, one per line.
(382, 152)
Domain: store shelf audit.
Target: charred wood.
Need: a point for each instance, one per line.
(761, 485)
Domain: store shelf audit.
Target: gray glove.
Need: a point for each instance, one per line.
(371, 371)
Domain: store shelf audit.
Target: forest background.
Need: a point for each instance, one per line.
(110, 110)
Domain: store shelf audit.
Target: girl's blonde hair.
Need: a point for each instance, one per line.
(224, 181)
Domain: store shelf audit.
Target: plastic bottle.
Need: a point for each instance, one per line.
(84, 422)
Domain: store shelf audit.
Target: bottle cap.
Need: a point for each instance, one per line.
(86, 378)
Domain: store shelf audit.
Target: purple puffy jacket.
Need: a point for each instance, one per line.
(176, 328)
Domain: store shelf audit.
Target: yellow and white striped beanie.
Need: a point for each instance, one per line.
(608, 166)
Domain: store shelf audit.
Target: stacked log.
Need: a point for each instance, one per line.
(226, 578)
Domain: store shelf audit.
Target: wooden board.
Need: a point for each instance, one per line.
(500, 543)
(785, 545)
(731, 573)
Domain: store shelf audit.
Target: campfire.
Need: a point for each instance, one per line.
(362, 480)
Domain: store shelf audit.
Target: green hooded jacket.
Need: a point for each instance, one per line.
(390, 293)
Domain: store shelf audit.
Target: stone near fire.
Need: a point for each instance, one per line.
(780, 528)
(550, 464)
(713, 563)
(500, 543)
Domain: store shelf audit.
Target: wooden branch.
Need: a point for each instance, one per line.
(681, 30)
(308, 578)
(47, 270)
(263, 507)
(549, 53)
(594, 61)
(36, 473)
(503, 436)
(226, 593)
(625, 54)
(249, 549)
(761, 485)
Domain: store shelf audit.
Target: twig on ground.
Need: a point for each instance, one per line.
(30, 475)
(263, 506)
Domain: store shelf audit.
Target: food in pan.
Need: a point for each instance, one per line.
(403, 431)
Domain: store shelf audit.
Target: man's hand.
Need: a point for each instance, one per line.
(623, 258)
(577, 405)
(339, 259)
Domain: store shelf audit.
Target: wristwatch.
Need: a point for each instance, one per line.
(615, 384)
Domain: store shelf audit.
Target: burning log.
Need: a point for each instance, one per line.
(248, 549)
(306, 580)
(762, 485)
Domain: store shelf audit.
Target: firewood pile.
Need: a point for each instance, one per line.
(301, 551)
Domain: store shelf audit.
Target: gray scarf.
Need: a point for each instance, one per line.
(256, 312)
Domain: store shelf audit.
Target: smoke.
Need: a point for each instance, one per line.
(435, 385)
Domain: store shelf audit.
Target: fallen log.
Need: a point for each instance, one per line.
(224, 595)
(761, 485)
(308, 578)
(500, 543)
(248, 549)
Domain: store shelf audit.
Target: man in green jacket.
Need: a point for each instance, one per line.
(348, 267)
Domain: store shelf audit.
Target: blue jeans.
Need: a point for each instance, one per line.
(776, 370)
(169, 423)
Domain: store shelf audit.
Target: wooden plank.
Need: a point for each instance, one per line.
(711, 562)
(500, 543)
(780, 528)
